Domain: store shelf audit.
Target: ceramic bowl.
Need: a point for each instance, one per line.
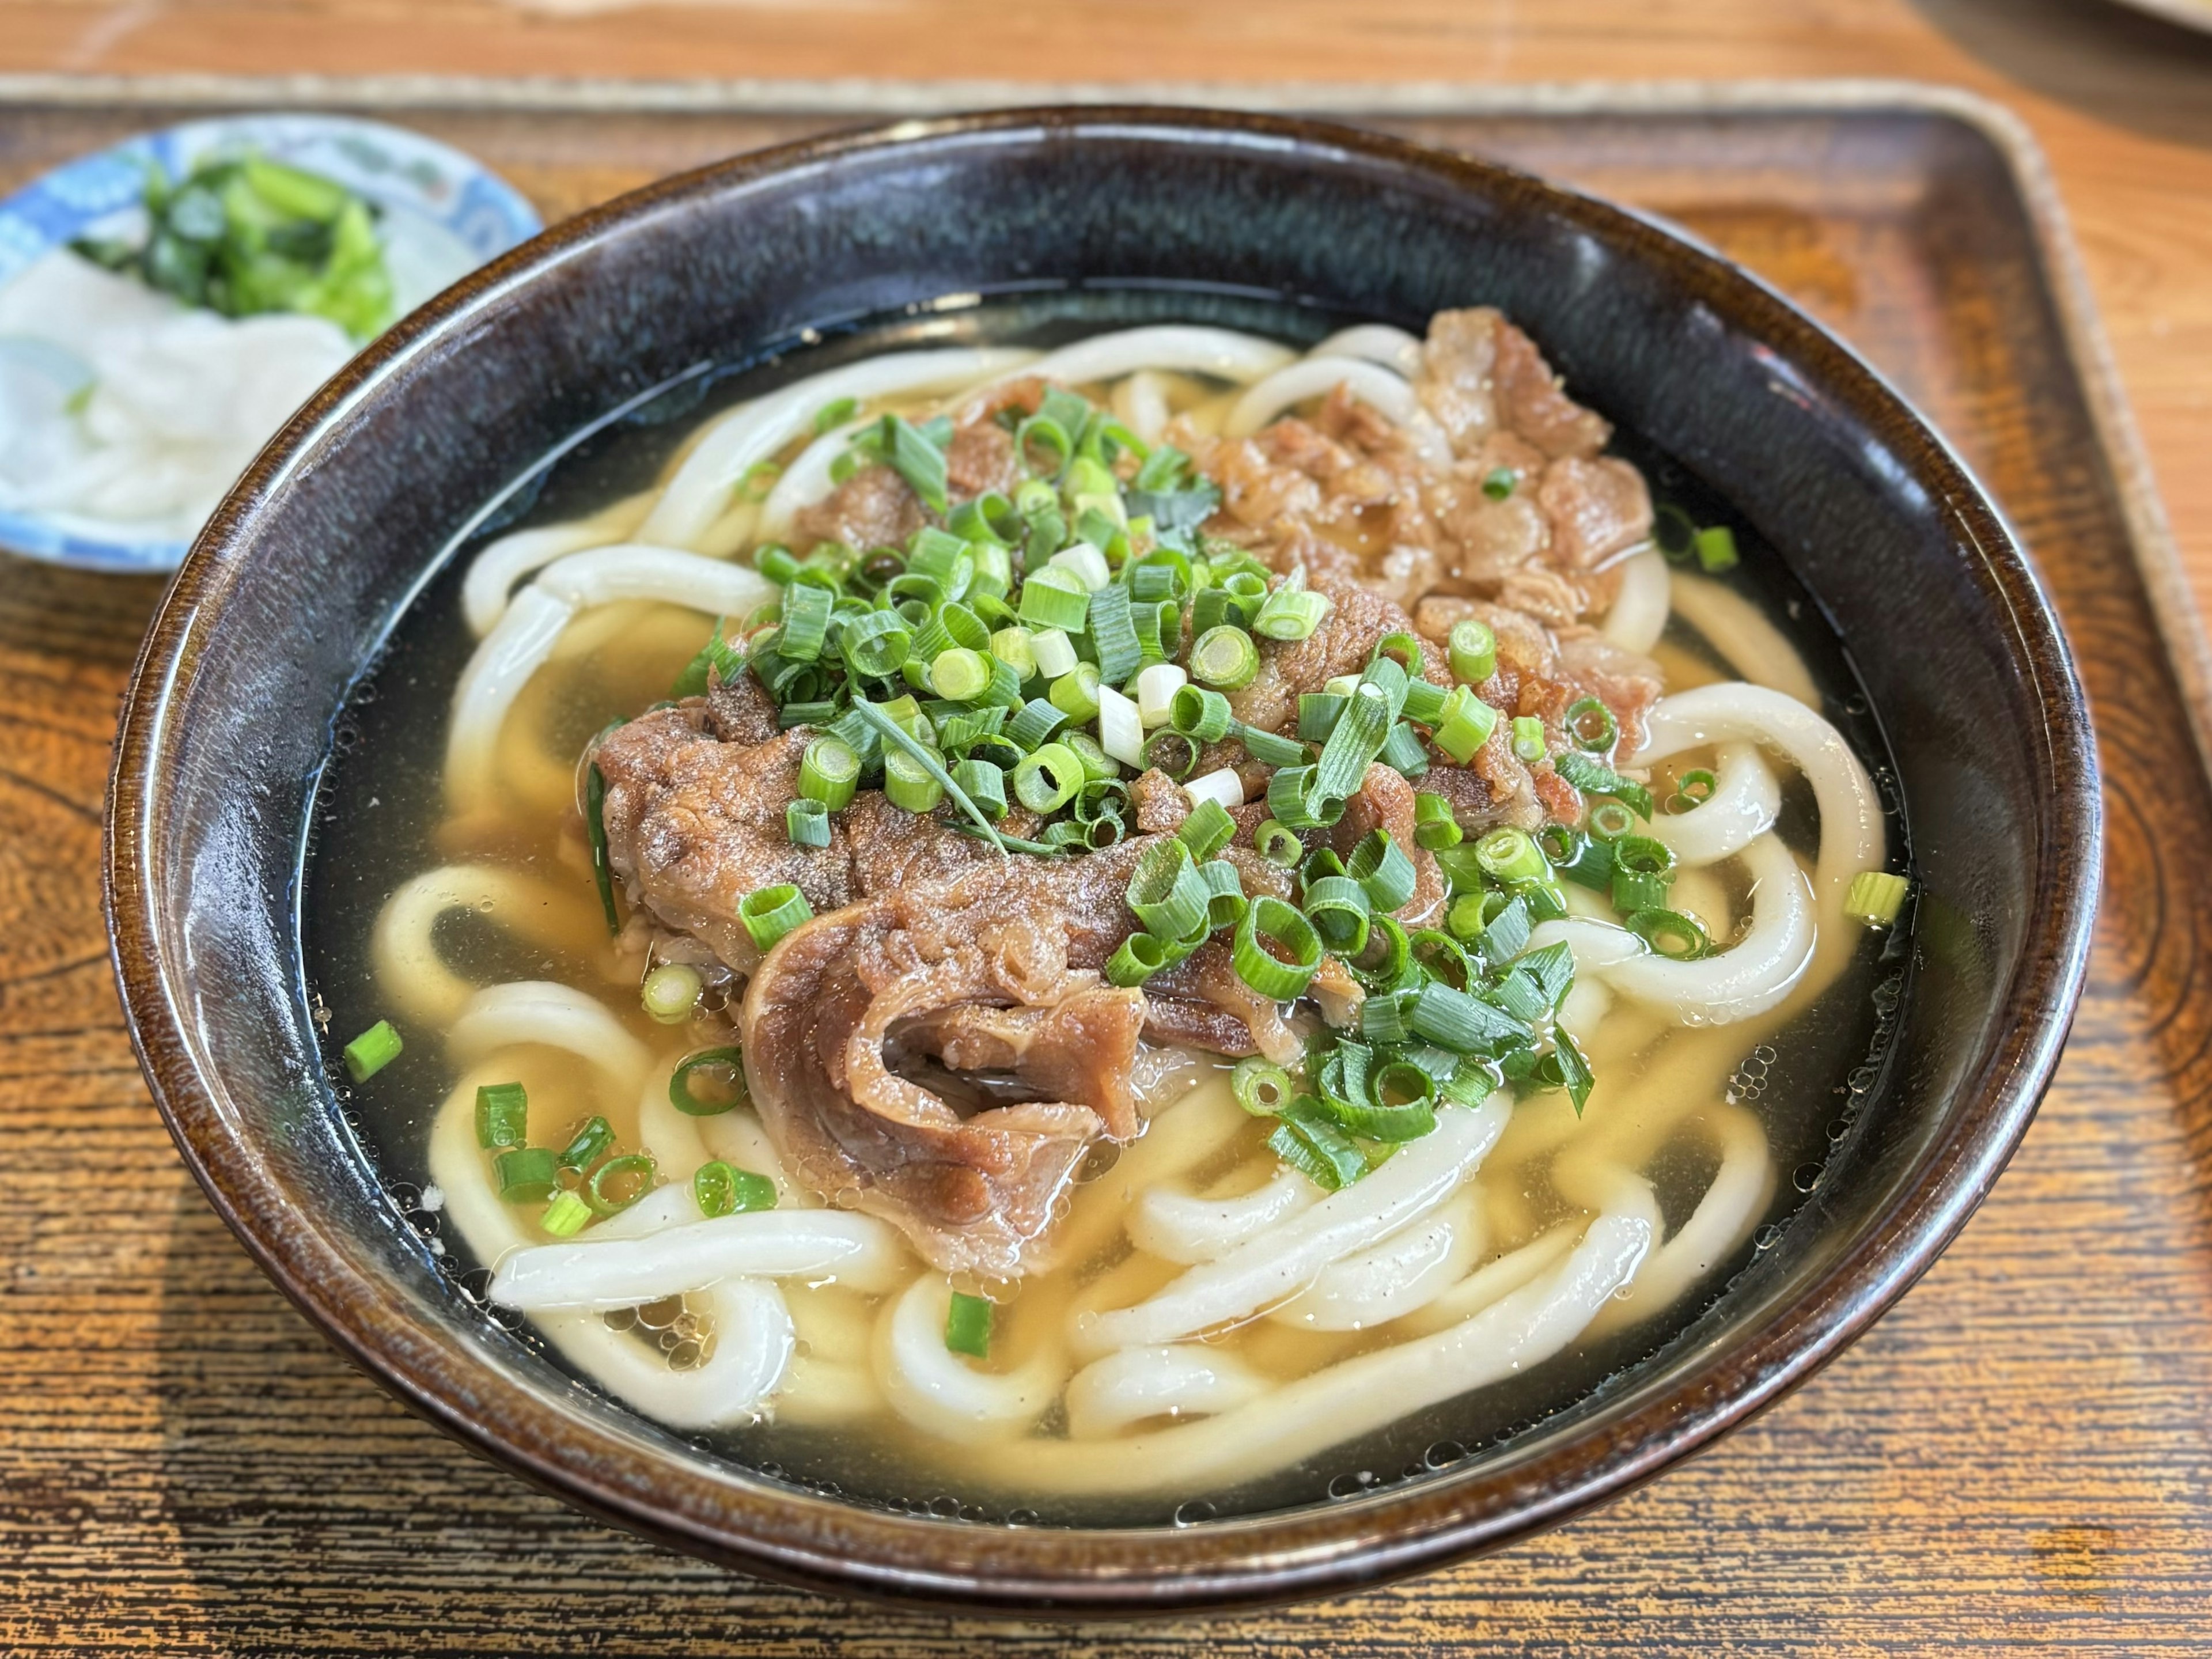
(295, 582)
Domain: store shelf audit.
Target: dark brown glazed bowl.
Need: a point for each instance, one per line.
(288, 594)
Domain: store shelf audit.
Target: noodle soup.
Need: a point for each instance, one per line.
(1212, 923)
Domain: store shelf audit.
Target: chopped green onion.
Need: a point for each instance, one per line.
(1593, 777)
(1197, 713)
(806, 823)
(1671, 933)
(1156, 686)
(1529, 739)
(1875, 898)
(1120, 729)
(1644, 855)
(1318, 714)
(1276, 842)
(1311, 1144)
(1358, 740)
(834, 414)
(1272, 922)
(770, 913)
(1452, 1019)
(526, 1175)
(903, 448)
(595, 830)
(1056, 599)
(875, 643)
(1497, 483)
(722, 1188)
(1439, 955)
(1075, 692)
(1590, 725)
(1016, 647)
(1269, 748)
(968, 1325)
(1464, 726)
(1225, 903)
(1379, 865)
(1225, 656)
(1403, 751)
(1473, 650)
(829, 772)
(893, 735)
(1048, 779)
(1387, 675)
(1382, 1017)
(1341, 912)
(1633, 891)
(1425, 702)
(1135, 960)
(1717, 549)
(760, 477)
(1382, 973)
(1084, 563)
(1171, 752)
(1510, 856)
(1098, 765)
(1113, 634)
(1402, 1107)
(1056, 655)
(1207, 830)
(1262, 1087)
(1290, 612)
(728, 1066)
(985, 785)
(1166, 892)
(1696, 787)
(1435, 822)
(503, 1115)
(1295, 798)
(1035, 723)
(910, 783)
(1581, 857)
(805, 621)
(619, 1183)
(1565, 1068)
(593, 1140)
(670, 992)
(566, 1216)
(960, 675)
(1466, 917)
(373, 1050)
(1674, 531)
(1607, 821)
(805, 713)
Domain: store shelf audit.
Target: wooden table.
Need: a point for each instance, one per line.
(2006, 1466)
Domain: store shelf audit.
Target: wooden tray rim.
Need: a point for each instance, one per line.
(2148, 531)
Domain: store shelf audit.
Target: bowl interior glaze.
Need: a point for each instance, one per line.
(290, 591)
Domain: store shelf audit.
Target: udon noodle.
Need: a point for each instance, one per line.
(1130, 1225)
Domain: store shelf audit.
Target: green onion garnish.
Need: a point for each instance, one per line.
(1199, 714)
(1435, 823)
(1464, 724)
(968, 1325)
(1696, 787)
(1290, 612)
(960, 674)
(1425, 702)
(1262, 1087)
(566, 1215)
(1135, 960)
(595, 828)
(669, 993)
(1171, 751)
(806, 823)
(834, 414)
(1048, 779)
(1590, 725)
(1276, 842)
(1207, 830)
(770, 913)
(1318, 714)
(1276, 950)
(1510, 856)
(527, 1175)
(895, 736)
(619, 1183)
(1310, 1143)
(1295, 797)
(1875, 898)
(591, 1142)
(875, 643)
(1671, 933)
(722, 1188)
(1358, 740)
(1607, 821)
(1593, 777)
(1529, 739)
(1341, 912)
(1473, 650)
(829, 772)
(985, 784)
(726, 1066)
(1379, 865)
(503, 1115)
(1717, 549)
(910, 783)
(806, 610)
(1055, 599)
(1113, 634)
(373, 1050)
(1225, 903)
(1225, 656)
(1497, 483)
(1166, 892)
(1269, 748)
(1633, 891)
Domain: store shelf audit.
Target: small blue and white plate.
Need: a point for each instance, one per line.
(443, 215)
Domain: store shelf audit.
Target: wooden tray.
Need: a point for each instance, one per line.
(2015, 1460)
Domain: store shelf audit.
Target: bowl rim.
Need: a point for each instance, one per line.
(796, 1537)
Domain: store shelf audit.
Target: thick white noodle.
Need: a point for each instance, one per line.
(493, 572)
(1372, 384)
(752, 432)
(1141, 401)
(1638, 615)
(1186, 1380)
(411, 974)
(1851, 831)
(1740, 1190)
(1220, 352)
(522, 641)
(753, 1348)
(1181, 1135)
(1746, 639)
(1286, 1258)
(1378, 343)
(554, 1015)
(1587, 1005)
(753, 1335)
(1748, 978)
(591, 1273)
(1410, 1269)
(1356, 1396)
(1492, 1281)
(804, 481)
(672, 1205)
(1745, 802)
(825, 1393)
(1174, 1224)
(681, 1142)
(940, 1393)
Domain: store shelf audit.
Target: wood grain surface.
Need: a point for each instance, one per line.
(2017, 1461)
